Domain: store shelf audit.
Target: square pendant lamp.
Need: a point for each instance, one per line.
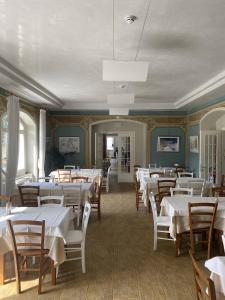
(119, 111)
(133, 71)
(120, 99)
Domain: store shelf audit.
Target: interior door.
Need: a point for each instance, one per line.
(125, 156)
(211, 155)
(98, 150)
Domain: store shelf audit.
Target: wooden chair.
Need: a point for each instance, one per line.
(181, 191)
(51, 201)
(75, 239)
(20, 232)
(179, 169)
(29, 194)
(156, 174)
(105, 180)
(205, 287)
(164, 188)
(201, 221)
(64, 175)
(46, 179)
(218, 191)
(72, 198)
(95, 200)
(69, 167)
(138, 193)
(79, 179)
(185, 174)
(161, 223)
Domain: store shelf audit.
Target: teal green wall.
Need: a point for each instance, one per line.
(167, 159)
(193, 158)
(78, 158)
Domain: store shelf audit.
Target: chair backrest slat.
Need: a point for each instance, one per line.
(51, 201)
(29, 194)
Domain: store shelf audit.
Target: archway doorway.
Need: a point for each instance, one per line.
(129, 146)
(212, 145)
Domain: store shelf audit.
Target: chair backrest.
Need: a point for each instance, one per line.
(72, 194)
(46, 179)
(164, 187)
(86, 215)
(152, 166)
(218, 191)
(205, 287)
(29, 194)
(185, 174)
(156, 174)
(64, 175)
(179, 169)
(69, 167)
(223, 239)
(27, 234)
(181, 191)
(79, 179)
(202, 215)
(153, 206)
(51, 201)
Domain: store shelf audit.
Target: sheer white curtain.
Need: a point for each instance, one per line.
(42, 141)
(13, 142)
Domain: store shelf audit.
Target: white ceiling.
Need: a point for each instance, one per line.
(52, 51)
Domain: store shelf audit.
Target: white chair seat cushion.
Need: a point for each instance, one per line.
(163, 220)
(74, 237)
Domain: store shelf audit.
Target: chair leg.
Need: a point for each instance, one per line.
(83, 258)
(40, 278)
(178, 243)
(155, 239)
(53, 271)
(17, 271)
(99, 211)
(78, 215)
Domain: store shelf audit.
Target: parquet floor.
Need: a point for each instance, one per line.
(119, 259)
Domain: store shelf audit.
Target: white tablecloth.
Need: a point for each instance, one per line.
(92, 173)
(177, 208)
(216, 265)
(52, 188)
(57, 223)
(148, 184)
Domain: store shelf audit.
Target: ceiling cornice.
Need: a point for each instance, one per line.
(209, 86)
(28, 83)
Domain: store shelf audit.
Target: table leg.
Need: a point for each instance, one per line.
(2, 268)
(53, 273)
(178, 243)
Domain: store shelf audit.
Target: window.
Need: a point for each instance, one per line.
(21, 159)
(27, 140)
(109, 143)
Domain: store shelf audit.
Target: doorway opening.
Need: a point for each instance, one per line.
(212, 145)
(120, 142)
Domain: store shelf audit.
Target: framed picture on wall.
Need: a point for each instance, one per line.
(69, 144)
(168, 144)
(194, 147)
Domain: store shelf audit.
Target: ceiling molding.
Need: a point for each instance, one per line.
(105, 106)
(28, 83)
(209, 86)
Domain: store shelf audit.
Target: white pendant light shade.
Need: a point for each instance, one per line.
(125, 70)
(119, 111)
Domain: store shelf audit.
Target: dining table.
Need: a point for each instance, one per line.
(216, 266)
(148, 185)
(56, 189)
(176, 208)
(58, 220)
(91, 173)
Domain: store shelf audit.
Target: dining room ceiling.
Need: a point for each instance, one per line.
(51, 51)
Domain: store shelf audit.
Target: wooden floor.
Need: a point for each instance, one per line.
(120, 261)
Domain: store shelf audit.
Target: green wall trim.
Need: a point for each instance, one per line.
(196, 107)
